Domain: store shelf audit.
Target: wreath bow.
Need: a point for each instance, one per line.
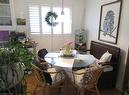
(50, 18)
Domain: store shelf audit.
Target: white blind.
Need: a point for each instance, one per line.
(34, 17)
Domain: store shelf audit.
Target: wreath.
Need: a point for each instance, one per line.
(50, 17)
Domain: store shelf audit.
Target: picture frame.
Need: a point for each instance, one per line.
(21, 21)
(4, 1)
(109, 22)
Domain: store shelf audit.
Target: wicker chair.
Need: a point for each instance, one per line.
(39, 60)
(41, 54)
(57, 84)
(87, 79)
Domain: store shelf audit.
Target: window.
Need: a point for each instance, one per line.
(57, 29)
(38, 24)
(34, 19)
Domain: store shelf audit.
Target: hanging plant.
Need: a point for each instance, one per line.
(50, 17)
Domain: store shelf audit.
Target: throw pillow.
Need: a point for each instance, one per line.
(106, 57)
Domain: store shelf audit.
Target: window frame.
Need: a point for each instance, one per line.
(40, 18)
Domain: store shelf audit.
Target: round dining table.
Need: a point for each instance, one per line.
(75, 61)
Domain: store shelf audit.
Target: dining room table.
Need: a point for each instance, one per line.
(67, 63)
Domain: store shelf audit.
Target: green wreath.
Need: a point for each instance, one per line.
(50, 18)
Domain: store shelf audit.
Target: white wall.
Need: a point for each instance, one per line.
(92, 17)
(55, 42)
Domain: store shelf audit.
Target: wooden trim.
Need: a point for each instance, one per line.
(126, 75)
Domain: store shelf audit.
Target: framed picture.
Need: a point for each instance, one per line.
(21, 21)
(109, 22)
(4, 1)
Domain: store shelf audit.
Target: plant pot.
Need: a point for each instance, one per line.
(11, 75)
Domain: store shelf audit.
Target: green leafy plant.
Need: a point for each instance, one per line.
(15, 52)
(12, 58)
(7, 57)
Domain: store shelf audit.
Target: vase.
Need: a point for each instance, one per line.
(67, 52)
(11, 75)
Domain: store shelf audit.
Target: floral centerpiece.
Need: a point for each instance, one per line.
(67, 49)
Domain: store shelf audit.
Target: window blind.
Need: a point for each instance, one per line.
(34, 17)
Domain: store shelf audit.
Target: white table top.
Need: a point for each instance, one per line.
(77, 61)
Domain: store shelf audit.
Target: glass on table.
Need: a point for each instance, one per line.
(52, 61)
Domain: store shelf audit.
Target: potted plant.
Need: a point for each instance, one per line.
(13, 60)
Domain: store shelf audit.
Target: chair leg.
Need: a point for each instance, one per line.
(47, 91)
(97, 90)
(81, 91)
